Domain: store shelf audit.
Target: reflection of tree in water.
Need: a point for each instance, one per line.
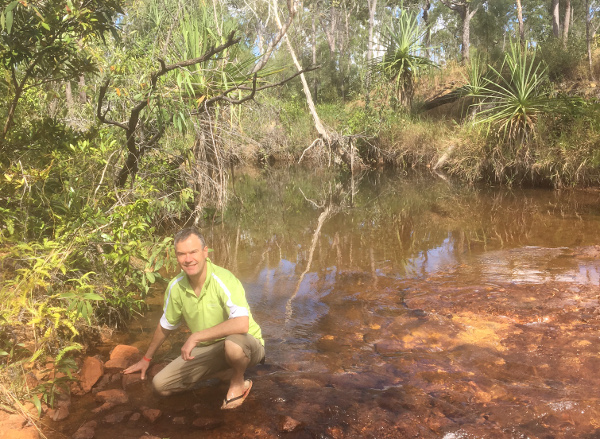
(335, 200)
(390, 225)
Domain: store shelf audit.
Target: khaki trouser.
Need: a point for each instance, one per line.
(180, 375)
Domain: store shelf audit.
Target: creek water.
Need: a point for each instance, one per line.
(397, 305)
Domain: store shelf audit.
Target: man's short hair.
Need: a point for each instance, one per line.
(184, 234)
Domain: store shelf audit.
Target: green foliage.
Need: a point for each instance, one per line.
(43, 41)
(402, 60)
(563, 62)
(516, 96)
(74, 255)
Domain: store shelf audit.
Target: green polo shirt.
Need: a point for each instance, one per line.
(222, 298)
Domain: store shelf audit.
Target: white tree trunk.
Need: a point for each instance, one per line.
(555, 18)
(311, 105)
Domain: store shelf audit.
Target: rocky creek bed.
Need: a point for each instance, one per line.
(392, 358)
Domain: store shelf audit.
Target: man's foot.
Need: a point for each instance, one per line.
(237, 401)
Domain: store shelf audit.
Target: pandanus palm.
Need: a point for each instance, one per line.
(517, 96)
(401, 62)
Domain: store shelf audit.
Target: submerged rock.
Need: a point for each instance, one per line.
(113, 396)
(151, 414)
(103, 408)
(179, 420)
(288, 424)
(86, 431)
(130, 380)
(207, 424)
(59, 413)
(115, 418)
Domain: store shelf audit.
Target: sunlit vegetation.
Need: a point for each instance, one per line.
(123, 120)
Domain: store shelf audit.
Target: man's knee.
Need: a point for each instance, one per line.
(160, 386)
(234, 352)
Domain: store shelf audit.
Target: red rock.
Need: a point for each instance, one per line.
(11, 421)
(151, 414)
(130, 380)
(135, 417)
(118, 364)
(103, 382)
(113, 396)
(288, 424)
(103, 408)
(59, 413)
(179, 420)
(86, 431)
(31, 381)
(91, 371)
(76, 389)
(123, 356)
(335, 432)
(389, 347)
(22, 433)
(115, 418)
(207, 424)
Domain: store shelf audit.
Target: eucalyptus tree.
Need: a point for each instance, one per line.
(592, 22)
(556, 18)
(465, 9)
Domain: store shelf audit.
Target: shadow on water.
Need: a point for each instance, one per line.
(399, 306)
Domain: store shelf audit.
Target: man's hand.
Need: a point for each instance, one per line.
(141, 365)
(186, 349)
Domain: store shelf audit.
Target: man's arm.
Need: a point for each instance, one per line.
(160, 335)
(236, 325)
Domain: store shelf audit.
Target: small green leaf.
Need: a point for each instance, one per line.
(37, 403)
(151, 277)
(9, 21)
(45, 25)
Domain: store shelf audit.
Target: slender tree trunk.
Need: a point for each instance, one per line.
(309, 100)
(330, 31)
(556, 18)
(314, 52)
(427, 36)
(566, 23)
(466, 34)
(590, 35)
(521, 25)
(82, 93)
(69, 94)
(372, 8)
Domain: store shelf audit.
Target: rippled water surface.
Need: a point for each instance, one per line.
(401, 306)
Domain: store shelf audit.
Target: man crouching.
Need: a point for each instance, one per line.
(225, 337)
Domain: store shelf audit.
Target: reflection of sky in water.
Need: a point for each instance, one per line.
(272, 290)
(432, 260)
(537, 265)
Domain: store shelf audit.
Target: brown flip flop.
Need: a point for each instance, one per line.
(237, 401)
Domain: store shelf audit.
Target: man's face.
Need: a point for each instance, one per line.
(191, 255)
